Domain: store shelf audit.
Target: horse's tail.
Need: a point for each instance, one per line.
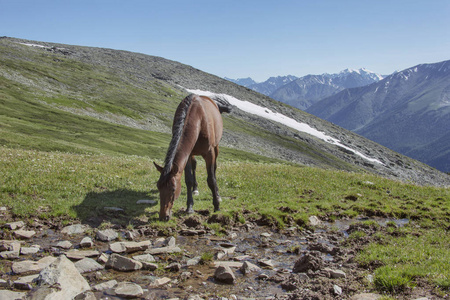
(222, 103)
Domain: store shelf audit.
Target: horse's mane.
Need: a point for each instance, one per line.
(177, 131)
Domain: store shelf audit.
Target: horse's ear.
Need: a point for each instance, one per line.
(158, 167)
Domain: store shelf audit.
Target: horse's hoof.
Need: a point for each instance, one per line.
(190, 211)
(195, 193)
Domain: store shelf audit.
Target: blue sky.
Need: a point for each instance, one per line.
(246, 38)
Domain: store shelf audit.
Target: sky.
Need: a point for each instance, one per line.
(246, 38)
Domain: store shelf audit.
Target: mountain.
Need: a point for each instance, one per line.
(408, 111)
(307, 90)
(272, 84)
(57, 97)
(242, 81)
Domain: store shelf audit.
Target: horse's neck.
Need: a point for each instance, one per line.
(185, 147)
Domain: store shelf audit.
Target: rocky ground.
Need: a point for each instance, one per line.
(254, 260)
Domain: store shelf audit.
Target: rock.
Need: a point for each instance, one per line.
(9, 254)
(248, 267)
(144, 258)
(24, 283)
(241, 257)
(310, 261)
(74, 229)
(163, 250)
(174, 267)
(365, 296)
(145, 201)
(14, 225)
(113, 209)
(128, 290)
(86, 242)
(149, 266)
(185, 276)
(64, 245)
(88, 265)
(122, 263)
(88, 295)
(335, 273)
(314, 221)
(171, 242)
(24, 234)
(62, 279)
(266, 263)
(29, 266)
(29, 250)
(107, 235)
(193, 261)
(80, 254)
(337, 290)
(230, 264)
(160, 282)
(4, 283)
(103, 258)
(129, 247)
(10, 295)
(224, 274)
(265, 235)
(263, 277)
(104, 285)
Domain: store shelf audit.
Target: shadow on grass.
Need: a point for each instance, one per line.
(118, 208)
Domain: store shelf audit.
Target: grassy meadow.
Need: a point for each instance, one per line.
(68, 187)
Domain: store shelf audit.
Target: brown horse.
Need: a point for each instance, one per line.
(197, 130)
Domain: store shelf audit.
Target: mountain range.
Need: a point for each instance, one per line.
(58, 97)
(304, 91)
(408, 111)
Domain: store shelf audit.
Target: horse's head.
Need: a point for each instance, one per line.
(169, 187)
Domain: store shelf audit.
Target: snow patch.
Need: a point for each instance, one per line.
(282, 119)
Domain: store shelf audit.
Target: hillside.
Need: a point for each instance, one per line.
(90, 100)
(408, 112)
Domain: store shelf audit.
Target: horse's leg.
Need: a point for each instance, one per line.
(194, 167)
(212, 183)
(189, 179)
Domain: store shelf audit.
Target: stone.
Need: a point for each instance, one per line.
(146, 201)
(309, 261)
(74, 229)
(265, 234)
(122, 263)
(160, 282)
(29, 250)
(263, 277)
(9, 254)
(248, 267)
(114, 209)
(230, 264)
(4, 283)
(14, 225)
(149, 266)
(86, 242)
(163, 250)
(144, 258)
(224, 274)
(103, 258)
(194, 261)
(129, 247)
(171, 242)
(174, 267)
(10, 295)
(63, 280)
(88, 265)
(104, 285)
(337, 290)
(24, 234)
(107, 235)
(314, 221)
(87, 295)
(128, 290)
(366, 296)
(29, 266)
(24, 283)
(185, 276)
(266, 263)
(80, 254)
(335, 273)
(64, 245)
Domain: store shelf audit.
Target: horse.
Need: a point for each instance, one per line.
(196, 130)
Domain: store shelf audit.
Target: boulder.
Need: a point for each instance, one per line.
(88, 265)
(122, 263)
(309, 261)
(248, 267)
(74, 229)
(224, 274)
(128, 290)
(104, 285)
(86, 242)
(31, 267)
(62, 280)
(107, 235)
